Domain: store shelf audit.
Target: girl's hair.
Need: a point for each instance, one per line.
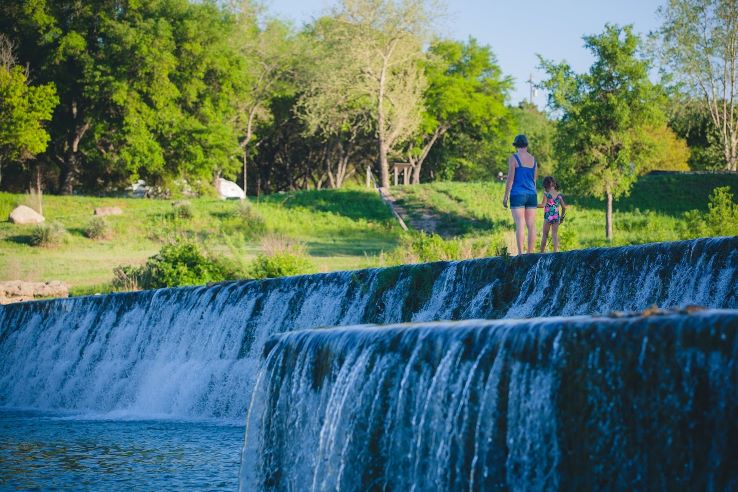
(549, 182)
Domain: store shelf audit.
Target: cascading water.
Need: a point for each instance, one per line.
(578, 403)
(194, 352)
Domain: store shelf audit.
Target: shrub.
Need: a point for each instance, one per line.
(282, 257)
(419, 247)
(182, 210)
(48, 235)
(280, 265)
(98, 228)
(253, 223)
(721, 218)
(177, 264)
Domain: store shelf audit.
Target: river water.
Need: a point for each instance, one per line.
(46, 450)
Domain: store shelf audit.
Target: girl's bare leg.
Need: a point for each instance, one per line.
(530, 222)
(518, 215)
(555, 236)
(546, 227)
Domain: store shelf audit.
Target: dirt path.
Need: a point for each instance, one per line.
(423, 220)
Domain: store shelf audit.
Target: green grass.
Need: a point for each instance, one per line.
(344, 229)
(652, 212)
(341, 229)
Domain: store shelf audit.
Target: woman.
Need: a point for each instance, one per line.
(520, 189)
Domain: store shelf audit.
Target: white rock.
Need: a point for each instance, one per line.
(25, 215)
(229, 189)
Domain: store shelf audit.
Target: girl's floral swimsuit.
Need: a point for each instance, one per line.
(551, 209)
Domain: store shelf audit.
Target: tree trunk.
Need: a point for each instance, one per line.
(418, 164)
(382, 130)
(608, 216)
(70, 164)
(247, 139)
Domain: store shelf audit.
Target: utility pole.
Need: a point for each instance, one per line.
(532, 88)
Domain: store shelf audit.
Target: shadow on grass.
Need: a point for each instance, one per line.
(452, 224)
(669, 195)
(350, 246)
(353, 204)
(20, 239)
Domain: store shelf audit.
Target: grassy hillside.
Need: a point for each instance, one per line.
(653, 211)
(341, 229)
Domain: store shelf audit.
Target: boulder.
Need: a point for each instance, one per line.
(25, 215)
(19, 290)
(103, 211)
(229, 189)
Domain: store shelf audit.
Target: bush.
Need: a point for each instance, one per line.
(721, 218)
(177, 264)
(182, 210)
(48, 235)
(280, 265)
(253, 223)
(419, 247)
(98, 228)
(282, 257)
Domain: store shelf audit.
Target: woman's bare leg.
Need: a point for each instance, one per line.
(546, 227)
(530, 222)
(555, 236)
(519, 219)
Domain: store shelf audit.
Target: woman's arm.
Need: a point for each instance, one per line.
(543, 201)
(509, 181)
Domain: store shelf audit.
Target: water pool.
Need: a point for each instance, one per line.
(55, 451)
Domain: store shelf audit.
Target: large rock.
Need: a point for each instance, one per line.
(25, 215)
(103, 211)
(19, 290)
(229, 189)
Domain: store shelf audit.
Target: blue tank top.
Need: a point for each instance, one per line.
(524, 182)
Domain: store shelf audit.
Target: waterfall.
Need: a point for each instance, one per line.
(581, 403)
(194, 352)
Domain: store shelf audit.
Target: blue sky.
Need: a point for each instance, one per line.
(516, 31)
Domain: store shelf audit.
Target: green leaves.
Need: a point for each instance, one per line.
(24, 108)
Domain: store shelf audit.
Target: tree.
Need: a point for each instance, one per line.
(668, 151)
(603, 114)
(145, 88)
(377, 47)
(24, 108)
(699, 43)
(540, 130)
(466, 92)
(270, 55)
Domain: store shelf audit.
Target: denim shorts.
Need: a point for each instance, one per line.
(529, 200)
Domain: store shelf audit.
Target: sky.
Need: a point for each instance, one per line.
(517, 30)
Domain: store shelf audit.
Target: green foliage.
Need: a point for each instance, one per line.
(48, 235)
(282, 257)
(177, 264)
(721, 218)
(145, 88)
(691, 121)
(698, 46)
(604, 113)
(283, 264)
(465, 104)
(23, 110)
(540, 130)
(182, 210)
(99, 229)
(250, 220)
(419, 247)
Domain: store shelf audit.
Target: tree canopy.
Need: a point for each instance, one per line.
(603, 116)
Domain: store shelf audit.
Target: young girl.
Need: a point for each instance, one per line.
(554, 210)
